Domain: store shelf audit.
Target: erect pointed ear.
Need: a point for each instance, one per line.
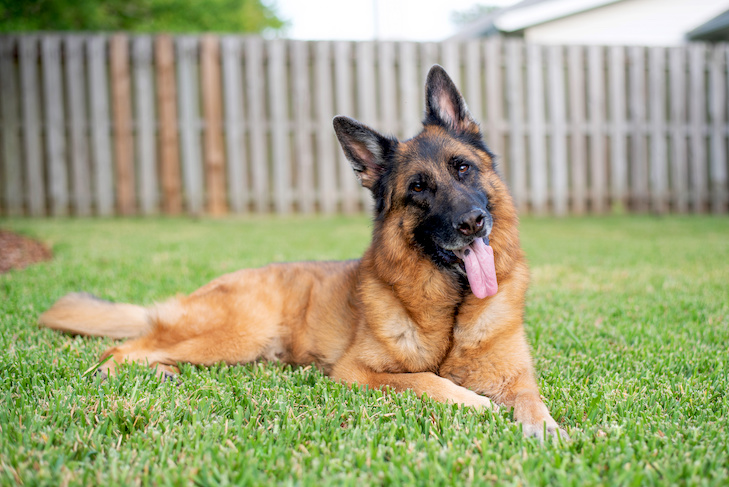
(366, 149)
(444, 105)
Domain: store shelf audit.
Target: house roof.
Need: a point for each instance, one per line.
(710, 17)
(716, 29)
(538, 12)
(525, 14)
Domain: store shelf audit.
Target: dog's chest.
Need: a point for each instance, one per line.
(418, 343)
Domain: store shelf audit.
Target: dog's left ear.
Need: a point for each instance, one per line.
(367, 150)
(444, 104)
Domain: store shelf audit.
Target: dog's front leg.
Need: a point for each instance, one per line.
(436, 387)
(515, 389)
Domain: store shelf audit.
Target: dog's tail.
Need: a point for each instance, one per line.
(85, 314)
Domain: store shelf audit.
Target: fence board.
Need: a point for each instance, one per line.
(658, 156)
(367, 113)
(580, 128)
(678, 152)
(429, 55)
(122, 113)
(303, 129)
(12, 173)
(515, 97)
(409, 101)
(473, 90)
(697, 120)
(145, 124)
(189, 112)
(578, 147)
(213, 128)
(537, 130)
(343, 102)
(235, 144)
(494, 122)
(75, 95)
(255, 95)
(30, 110)
(55, 125)
(618, 128)
(638, 149)
(325, 158)
(387, 82)
(100, 124)
(168, 134)
(558, 125)
(596, 96)
(717, 111)
(451, 60)
(278, 96)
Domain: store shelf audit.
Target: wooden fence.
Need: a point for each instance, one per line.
(127, 125)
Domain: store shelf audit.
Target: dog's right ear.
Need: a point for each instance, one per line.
(367, 150)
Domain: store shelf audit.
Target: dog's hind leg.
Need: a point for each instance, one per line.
(201, 330)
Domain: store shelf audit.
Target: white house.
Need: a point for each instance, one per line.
(621, 22)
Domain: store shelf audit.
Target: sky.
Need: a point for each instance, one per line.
(416, 20)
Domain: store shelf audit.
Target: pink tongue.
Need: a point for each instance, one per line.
(480, 268)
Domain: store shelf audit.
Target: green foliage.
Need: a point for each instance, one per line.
(628, 319)
(177, 16)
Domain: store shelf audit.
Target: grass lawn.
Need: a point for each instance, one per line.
(628, 319)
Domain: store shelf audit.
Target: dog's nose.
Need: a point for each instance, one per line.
(471, 223)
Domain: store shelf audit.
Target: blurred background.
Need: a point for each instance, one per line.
(147, 107)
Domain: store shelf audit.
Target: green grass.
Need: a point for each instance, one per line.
(628, 319)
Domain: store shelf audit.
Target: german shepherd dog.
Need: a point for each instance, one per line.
(435, 305)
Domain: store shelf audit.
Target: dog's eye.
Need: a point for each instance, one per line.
(463, 168)
(418, 187)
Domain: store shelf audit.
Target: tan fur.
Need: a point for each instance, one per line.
(392, 319)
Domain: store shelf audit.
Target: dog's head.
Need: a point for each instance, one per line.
(440, 187)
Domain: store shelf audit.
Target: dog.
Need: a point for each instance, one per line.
(435, 305)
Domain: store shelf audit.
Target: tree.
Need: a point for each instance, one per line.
(138, 15)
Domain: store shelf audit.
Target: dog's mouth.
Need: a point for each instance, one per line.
(477, 260)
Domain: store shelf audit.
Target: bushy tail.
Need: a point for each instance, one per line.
(85, 314)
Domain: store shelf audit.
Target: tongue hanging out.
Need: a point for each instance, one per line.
(480, 268)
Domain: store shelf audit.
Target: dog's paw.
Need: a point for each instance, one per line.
(544, 431)
(100, 374)
(171, 377)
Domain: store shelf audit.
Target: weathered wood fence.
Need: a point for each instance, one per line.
(119, 124)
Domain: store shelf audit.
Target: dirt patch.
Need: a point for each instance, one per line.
(18, 252)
